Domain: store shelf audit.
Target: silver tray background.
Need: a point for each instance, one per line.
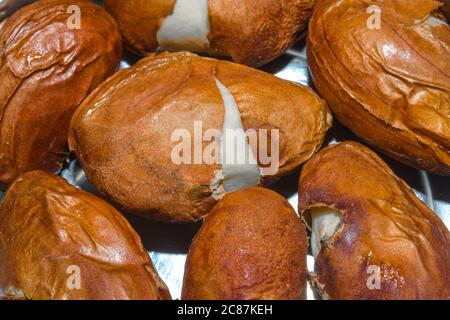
(168, 244)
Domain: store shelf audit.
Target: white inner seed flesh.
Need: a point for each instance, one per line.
(239, 166)
(432, 21)
(187, 28)
(324, 224)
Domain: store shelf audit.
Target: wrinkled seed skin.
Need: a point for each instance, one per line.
(48, 228)
(389, 85)
(252, 246)
(385, 226)
(46, 70)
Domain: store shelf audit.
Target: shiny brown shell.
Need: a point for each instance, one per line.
(249, 32)
(252, 246)
(52, 232)
(388, 82)
(122, 132)
(385, 227)
(47, 68)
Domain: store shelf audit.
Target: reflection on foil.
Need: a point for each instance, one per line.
(171, 269)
